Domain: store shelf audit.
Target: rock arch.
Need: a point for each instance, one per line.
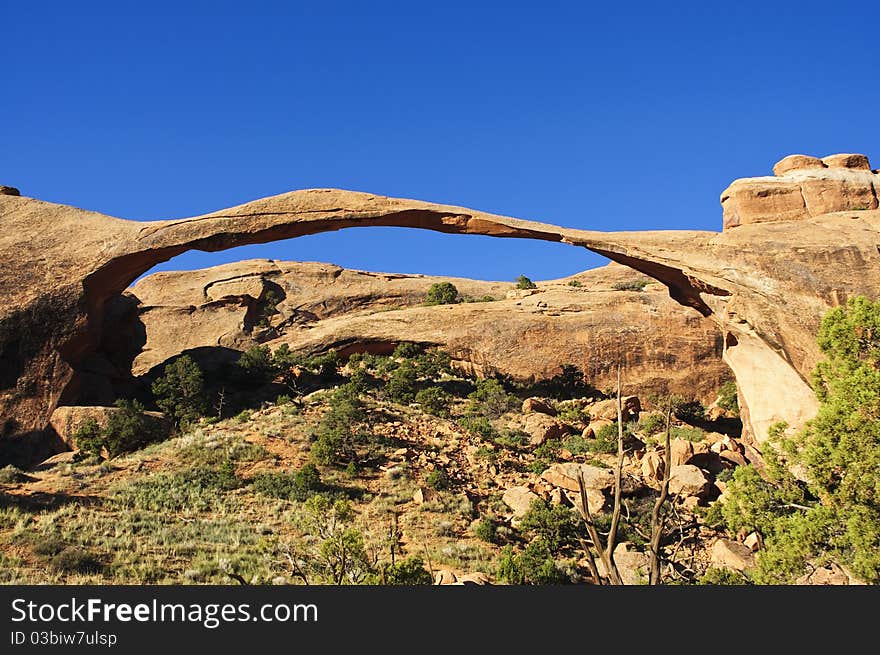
(766, 284)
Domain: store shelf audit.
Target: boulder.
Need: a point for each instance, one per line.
(519, 499)
(538, 405)
(796, 163)
(732, 555)
(423, 495)
(652, 468)
(847, 160)
(565, 476)
(592, 430)
(476, 578)
(687, 480)
(9, 191)
(444, 577)
(801, 190)
(753, 542)
(607, 409)
(632, 565)
(595, 498)
(541, 427)
(683, 451)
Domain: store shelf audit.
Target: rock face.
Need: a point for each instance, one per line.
(321, 306)
(766, 283)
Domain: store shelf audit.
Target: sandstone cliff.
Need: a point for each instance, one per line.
(527, 335)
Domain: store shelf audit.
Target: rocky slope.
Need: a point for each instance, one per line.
(766, 284)
(525, 334)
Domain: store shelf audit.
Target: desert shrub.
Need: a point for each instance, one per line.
(438, 479)
(299, 485)
(9, 474)
(434, 400)
(512, 439)
(631, 285)
(268, 308)
(718, 576)
(46, 546)
(690, 411)
(432, 363)
(402, 385)
(486, 298)
(728, 399)
(341, 430)
(333, 550)
(534, 565)
(406, 572)
(76, 560)
(605, 441)
(686, 432)
(557, 525)
(522, 282)
(194, 489)
(567, 384)
(479, 426)
(486, 530)
(126, 430)
(577, 445)
(441, 293)
(180, 391)
(652, 424)
(490, 399)
(574, 283)
(244, 416)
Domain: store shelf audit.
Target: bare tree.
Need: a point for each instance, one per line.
(657, 518)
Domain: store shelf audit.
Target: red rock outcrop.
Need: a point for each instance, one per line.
(804, 187)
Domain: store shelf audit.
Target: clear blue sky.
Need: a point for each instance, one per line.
(576, 113)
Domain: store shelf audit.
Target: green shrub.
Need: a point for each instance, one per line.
(407, 350)
(605, 441)
(652, 424)
(574, 283)
(486, 530)
(244, 416)
(512, 439)
(479, 426)
(76, 560)
(407, 572)
(716, 576)
(401, 387)
(490, 399)
(728, 399)
(256, 366)
(126, 430)
(299, 485)
(180, 391)
(686, 432)
(534, 565)
(631, 285)
(577, 445)
(557, 525)
(441, 293)
(485, 298)
(194, 489)
(434, 400)
(438, 479)
(341, 432)
(690, 411)
(522, 282)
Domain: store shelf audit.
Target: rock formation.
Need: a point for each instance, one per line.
(316, 307)
(766, 284)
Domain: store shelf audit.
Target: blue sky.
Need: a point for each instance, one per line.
(581, 114)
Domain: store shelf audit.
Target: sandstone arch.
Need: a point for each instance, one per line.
(766, 284)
